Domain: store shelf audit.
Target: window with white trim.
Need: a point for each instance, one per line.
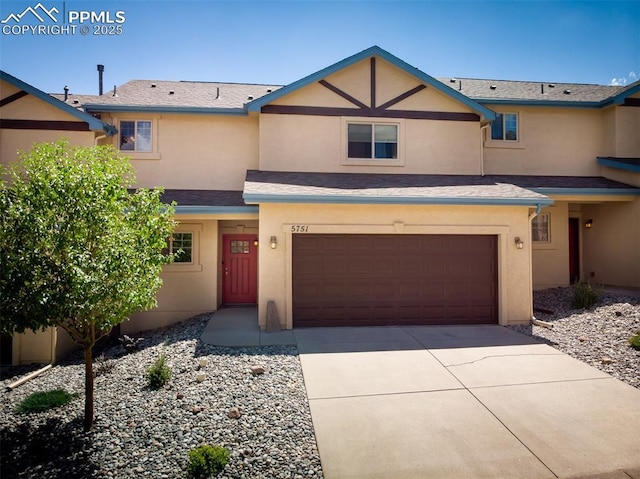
(372, 141)
(135, 135)
(505, 127)
(181, 246)
(541, 228)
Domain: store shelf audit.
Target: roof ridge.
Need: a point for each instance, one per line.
(530, 81)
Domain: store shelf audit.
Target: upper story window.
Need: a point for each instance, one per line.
(505, 127)
(135, 135)
(372, 141)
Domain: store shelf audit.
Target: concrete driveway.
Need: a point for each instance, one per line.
(463, 402)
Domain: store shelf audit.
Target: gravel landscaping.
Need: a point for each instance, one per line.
(599, 336)
(141, 432)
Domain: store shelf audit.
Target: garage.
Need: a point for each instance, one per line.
(379, 280)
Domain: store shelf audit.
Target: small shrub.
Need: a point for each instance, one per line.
(103, 366)
(634, 341)
(206, 461)
(158, 375)
(584, 295)
(43, 401)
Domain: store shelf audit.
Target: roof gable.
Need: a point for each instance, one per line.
(93, 123)
(373, 52)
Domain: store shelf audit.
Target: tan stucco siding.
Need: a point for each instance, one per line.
(514, 296)
(611, 248)
(551, 260)
(13, 141)
(188, 289)
(195, 151)
(318, 143)
(627, 132)
(553, 141)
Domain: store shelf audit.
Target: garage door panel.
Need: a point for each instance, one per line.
(348, 280)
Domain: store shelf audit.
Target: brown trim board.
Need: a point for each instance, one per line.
(342, 93)
(325, 111)
(631, 102)
(43, 125)
(12, 98)
(373, 82)
(399, 98)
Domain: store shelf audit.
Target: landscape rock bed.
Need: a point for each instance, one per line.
(599, 336)
(140, 432)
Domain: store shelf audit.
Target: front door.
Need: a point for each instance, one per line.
(239, 269)
(574, 250)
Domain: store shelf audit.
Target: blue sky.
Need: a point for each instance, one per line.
(280, 42)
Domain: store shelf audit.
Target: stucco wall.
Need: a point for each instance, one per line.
(627, 132)
(188, 289)
(551, 260)
(507, 222)
(195, 151)
(318, 143)
(553, 141)
(611, 248)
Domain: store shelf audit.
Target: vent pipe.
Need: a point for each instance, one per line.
(100, 72)
(66, 93)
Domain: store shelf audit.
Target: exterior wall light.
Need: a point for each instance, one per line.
(255, 242)
(588, 223)
(273, 242)
(519, 243)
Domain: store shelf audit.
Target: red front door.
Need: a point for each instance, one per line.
(239, 269)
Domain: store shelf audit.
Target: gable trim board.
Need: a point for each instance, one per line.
(12, 98)
(93, 123)
(44, 125)
(369, 112)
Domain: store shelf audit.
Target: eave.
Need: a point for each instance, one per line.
(192, 110)
(93, 123)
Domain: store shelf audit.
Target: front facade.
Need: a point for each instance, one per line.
(370, 193)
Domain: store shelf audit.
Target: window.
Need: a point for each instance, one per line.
(372, 141)
(181, 246)
(505, 127)
(135, 135)
(541, 228)
(239, 247)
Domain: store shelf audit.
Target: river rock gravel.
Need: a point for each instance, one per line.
(599, 336)
(142, 433)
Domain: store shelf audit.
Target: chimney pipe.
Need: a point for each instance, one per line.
(66, 93)
(100, 72)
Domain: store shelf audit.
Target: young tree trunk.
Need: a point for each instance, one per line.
(88, 388)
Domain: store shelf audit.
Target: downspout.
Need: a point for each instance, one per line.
(531, 217)
(482, 128)
(98, 138)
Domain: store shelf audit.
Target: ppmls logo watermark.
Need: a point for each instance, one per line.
(40, 20)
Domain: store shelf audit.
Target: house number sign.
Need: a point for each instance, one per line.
(300, 228)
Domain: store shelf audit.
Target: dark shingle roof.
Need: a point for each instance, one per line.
(203, 197)
(355, 181)
(158, 93)
(481, 90)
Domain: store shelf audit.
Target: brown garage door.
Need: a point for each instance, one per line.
(358, 280)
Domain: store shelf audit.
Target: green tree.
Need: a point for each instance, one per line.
(78, 250)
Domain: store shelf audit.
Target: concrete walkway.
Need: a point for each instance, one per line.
(459, 402)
